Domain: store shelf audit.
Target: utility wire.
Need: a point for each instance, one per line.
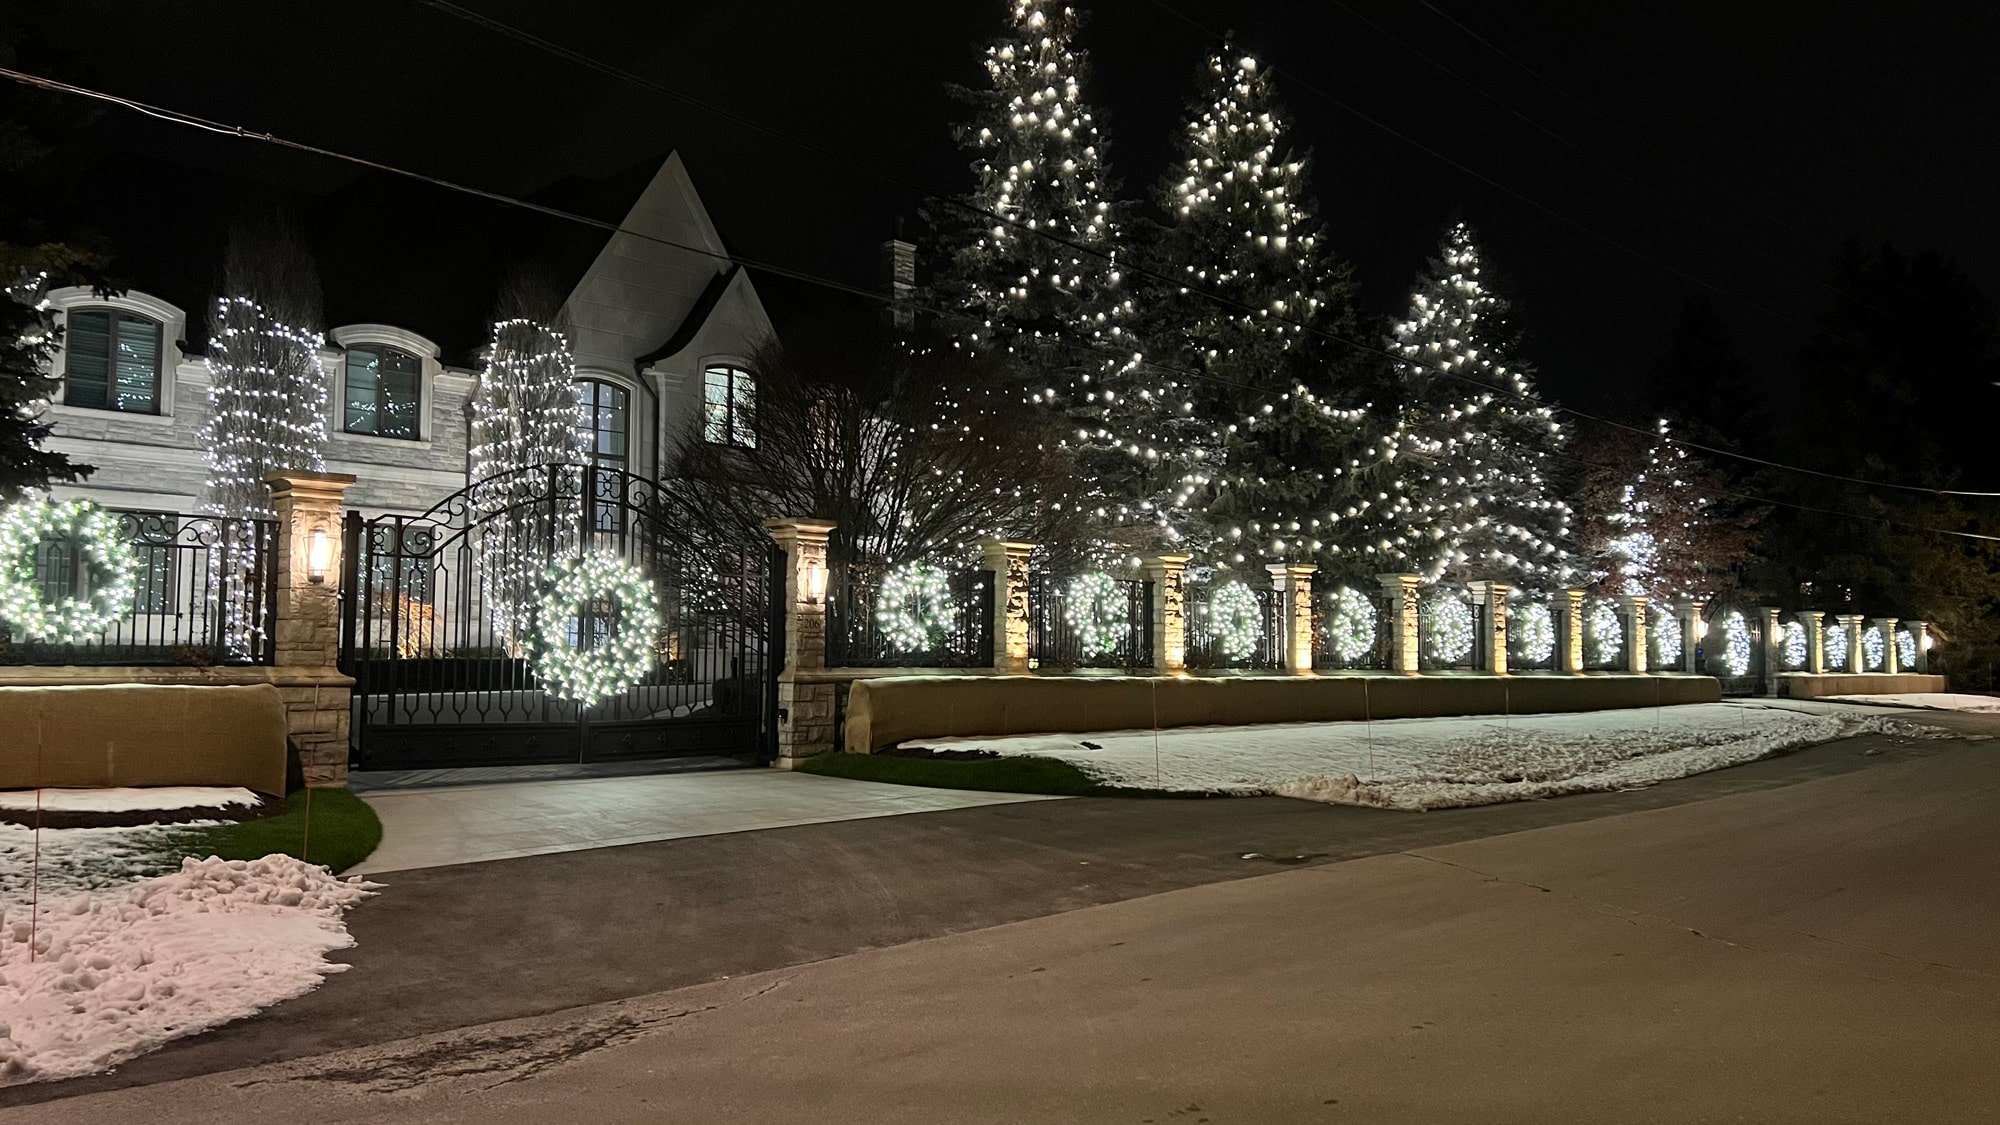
(193, 121)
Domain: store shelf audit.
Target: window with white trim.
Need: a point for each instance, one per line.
(111, 361)
(729, 406)
(384, 394)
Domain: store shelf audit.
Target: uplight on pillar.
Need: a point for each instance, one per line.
(319, 555)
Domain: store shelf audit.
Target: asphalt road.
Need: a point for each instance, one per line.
(1807, 938)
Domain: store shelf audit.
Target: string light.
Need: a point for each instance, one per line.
(1666, 637)
(1350, 625)
(1796, 651)
(1906, 649)
(1446, 623)
(1735, 644)
(1235, 620)
(1836, 646)
(1874, 649)
(1098, 613)
(1603, 632)
(1531, 632)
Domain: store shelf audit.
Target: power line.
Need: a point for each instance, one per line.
(192, 121)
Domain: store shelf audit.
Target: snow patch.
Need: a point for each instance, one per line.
(1931, 701)
(114, 800)
(74, 860)
(1441, 763)
(116, 974)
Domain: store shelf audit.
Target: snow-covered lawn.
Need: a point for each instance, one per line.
(1440, 763)
(92, 980)
(112, 942)
(1931, 701)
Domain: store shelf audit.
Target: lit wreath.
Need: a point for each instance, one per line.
(1235, 621)
(110, 564)
(1795, 642)
(1446, 623)
(1531, 629)
(1874, 649)
(1098, 613)
(910, 607)
(1836, 647)
(1906, 649)
(1604, 633)
(1350, 625)
(1666, 637)
(587, 675)
(1735, 644)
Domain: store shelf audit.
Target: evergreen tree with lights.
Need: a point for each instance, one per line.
(1033, 255)
(1256, 296)
(267, 397)
(1475, 450)
(526, 423)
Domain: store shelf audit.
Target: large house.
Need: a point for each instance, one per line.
(663, 327)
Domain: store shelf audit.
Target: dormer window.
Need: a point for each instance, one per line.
(111, 361)
(384, 395)
(729, 406)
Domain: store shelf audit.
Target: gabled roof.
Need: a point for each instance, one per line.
(692, 322)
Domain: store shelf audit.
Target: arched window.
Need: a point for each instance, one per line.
(111, 361)
(606, 421)
(729, 406)
(385, 392)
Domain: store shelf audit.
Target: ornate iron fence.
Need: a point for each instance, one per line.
(912, 628)
(1225, 635)
(205, 593)
(1090, 621)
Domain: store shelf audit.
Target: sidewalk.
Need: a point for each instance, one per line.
(441, 826)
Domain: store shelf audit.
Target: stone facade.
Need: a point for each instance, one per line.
(806, 702)
(1008, 561)
(1294, 587)
(1489, 604)
(1399, 621)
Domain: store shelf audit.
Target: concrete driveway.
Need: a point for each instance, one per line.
(1812, 951)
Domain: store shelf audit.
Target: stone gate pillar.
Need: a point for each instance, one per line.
(1692, 630)
(1399, 620)
(1568, 606)
(306, 630)
(1489, 605)
(1294, 585)
(1008, 560)
(1632, 609)
(1168, 574)
(1809, 620)
(1771, 641)
(1850, 623)
(806, 703)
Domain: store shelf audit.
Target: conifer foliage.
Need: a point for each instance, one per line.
(1475, 449)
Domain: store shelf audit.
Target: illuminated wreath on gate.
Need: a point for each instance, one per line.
(1666, 636)
(911, 605)
(1735, 644)
(1532, 630)
(1796, 651)
(1836, 647)
(1446, 623)
(1604, 632)
(1874, 649)
(1350, 625)
(110, 570)
(1235, 621)
(1906, 649)
(587, 675)
(1097, 612)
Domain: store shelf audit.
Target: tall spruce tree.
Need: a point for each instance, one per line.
(1475, 449)
(1033, 254)
(1667, 529)
(1259, 291)
(267, 389)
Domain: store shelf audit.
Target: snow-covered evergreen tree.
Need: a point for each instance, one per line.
(267, 389)
(1475, 449)
(1258, 294)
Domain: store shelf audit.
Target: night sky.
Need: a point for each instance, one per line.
(1750, 140)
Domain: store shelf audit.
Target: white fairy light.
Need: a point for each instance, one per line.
(1098, 613)
(1350, 625)
(912, 607)
(588, 669)
(109, 569)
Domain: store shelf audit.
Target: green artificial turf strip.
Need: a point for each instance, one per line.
(341, 832)
(1010, 774)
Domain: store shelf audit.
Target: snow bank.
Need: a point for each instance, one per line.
(1932, 701)
(1440, 763)
(116, 974)
(114, 800)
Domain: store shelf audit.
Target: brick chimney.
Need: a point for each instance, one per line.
(899, 279)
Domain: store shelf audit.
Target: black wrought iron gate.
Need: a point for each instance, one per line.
(442, 632)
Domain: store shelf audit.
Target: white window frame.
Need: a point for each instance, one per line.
(350, 336)
(173, 330)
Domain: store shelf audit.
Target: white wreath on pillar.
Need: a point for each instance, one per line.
(110, 571)
(1098, 613)
(1531, 631)
(1350, 625)
(1235, 620)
